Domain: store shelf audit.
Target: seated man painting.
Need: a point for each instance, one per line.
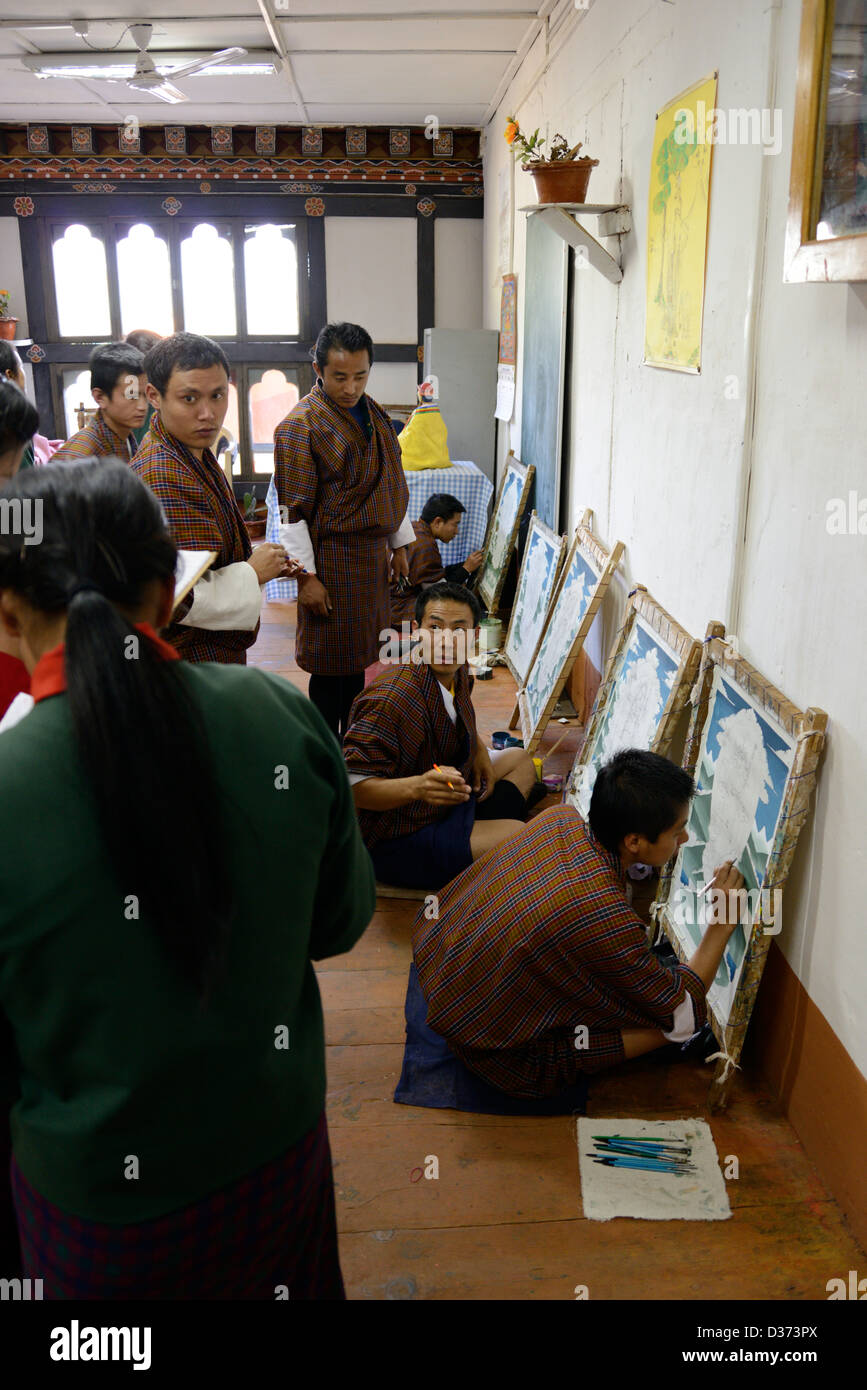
(440, 521)
(536, 969)
(430, 797)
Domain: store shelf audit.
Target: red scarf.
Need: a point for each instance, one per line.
(49, 673)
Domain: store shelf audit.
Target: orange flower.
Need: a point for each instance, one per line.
(511, 131)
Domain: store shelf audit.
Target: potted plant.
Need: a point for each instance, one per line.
(255, 516)
(561, 176)
(7, 324)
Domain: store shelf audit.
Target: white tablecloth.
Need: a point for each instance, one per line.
(463, 480)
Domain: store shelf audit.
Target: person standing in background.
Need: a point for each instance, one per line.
(343, 496)
(143, 339)
(188, 386)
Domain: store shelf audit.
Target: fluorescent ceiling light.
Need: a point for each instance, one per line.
(109, 69)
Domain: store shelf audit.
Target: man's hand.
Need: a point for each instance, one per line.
(483, 774)
(268, 560)
(313, 594)
(292, 569)
(399, 564)
(726, 879)
(472, 562)
(433, 787)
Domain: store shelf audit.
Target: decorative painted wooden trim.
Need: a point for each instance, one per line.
(82, 139)
(311, 140)
(266, 139)
(399, 141)
(222, 139)
(175, 139)
(38, 141)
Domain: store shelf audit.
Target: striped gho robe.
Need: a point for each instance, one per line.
(398, 727)
(352, 494)
(96, 440)
(534, 941)
(202, 514)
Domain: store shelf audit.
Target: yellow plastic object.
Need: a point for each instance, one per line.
(424, 440)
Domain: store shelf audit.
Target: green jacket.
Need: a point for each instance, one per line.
(111, 1056)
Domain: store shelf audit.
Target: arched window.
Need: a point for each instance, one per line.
(76, 392)
(82, 284)
(272, 395)
(271, 276)
(145, 281)
(208, 281)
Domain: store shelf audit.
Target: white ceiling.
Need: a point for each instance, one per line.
(366, 62)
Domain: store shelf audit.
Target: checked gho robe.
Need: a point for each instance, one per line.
(202, 514)
(96, 440)
(399, 727)
(535, 940)
(345, 498)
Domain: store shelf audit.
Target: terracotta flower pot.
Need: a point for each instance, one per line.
(7, 329)
(561, 180)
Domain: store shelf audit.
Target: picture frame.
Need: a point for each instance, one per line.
(654, 661)
(776, 731)
(826, 240)
(512, 497)
(537, 585)
(584, 579)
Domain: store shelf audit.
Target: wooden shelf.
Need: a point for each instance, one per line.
(614, 220)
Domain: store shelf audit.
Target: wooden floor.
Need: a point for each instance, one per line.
(503, 1219)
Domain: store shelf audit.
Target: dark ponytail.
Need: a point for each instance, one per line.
(139, 736)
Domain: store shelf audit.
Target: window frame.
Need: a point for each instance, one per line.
(244, 350)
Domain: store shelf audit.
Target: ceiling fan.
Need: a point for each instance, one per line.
(108, 66)
(148, 78)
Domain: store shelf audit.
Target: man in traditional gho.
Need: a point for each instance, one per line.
(339, 477)
(430, 796)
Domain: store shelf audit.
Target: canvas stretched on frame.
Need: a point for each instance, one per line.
(503, 531)
(650, 673)
(755, 756)
(584, 580)
(537, 584)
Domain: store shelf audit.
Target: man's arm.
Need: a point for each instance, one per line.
(388, 793)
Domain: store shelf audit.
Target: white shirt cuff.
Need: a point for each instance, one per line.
(295, 540)
(684, 1022)
(404, 535)
(226, 599)
(359, 777)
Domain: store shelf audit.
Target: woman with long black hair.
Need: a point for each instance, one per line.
(156, 937)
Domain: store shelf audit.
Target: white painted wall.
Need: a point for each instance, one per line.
(668, 461)
(458, 273)
(370, 271)
(12, 272)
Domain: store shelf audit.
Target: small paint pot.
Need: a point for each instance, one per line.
(498, 740)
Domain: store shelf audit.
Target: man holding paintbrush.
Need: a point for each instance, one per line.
(536, 968)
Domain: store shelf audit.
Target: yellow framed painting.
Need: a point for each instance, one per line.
(677, 221)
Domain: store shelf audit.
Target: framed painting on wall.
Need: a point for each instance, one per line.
(826, 231)
(677, 222)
